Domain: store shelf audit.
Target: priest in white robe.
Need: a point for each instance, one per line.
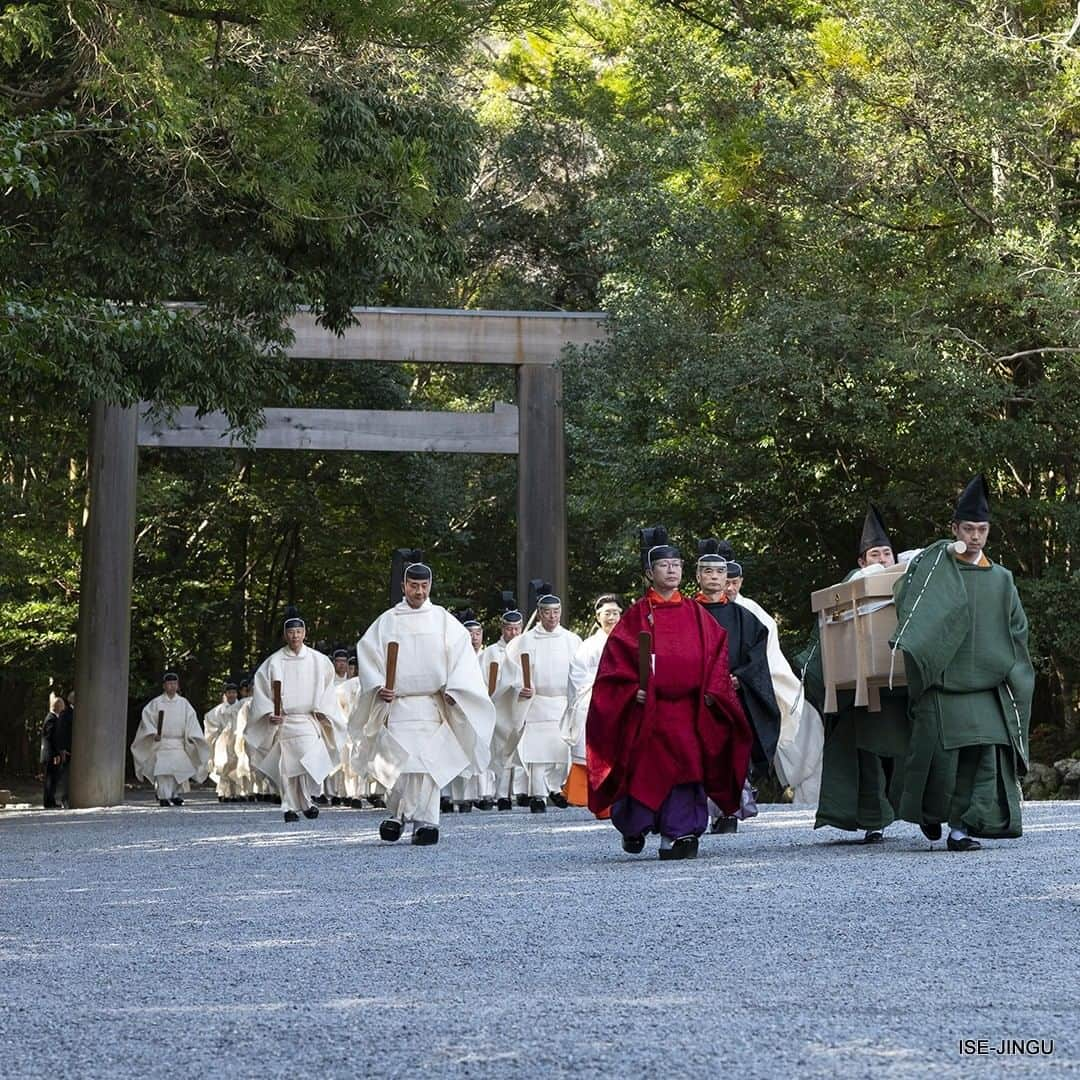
(583, 667)
(491, 662)
(169, 748)
(300, 745)
(219, 728)
(469, 790)
(254, 786)
(531, 715)
(434, 722)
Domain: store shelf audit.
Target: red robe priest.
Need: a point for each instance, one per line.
(654, 762)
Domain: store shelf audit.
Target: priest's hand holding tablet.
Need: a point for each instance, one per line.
(386, 695)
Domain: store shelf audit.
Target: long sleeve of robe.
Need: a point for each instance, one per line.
(436, 661)
(644, 750)
(182, 751)
(801, 743)
(583, 668)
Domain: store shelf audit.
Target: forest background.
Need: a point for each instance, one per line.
(839, 243)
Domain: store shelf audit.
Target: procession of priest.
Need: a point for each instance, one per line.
(911, 703)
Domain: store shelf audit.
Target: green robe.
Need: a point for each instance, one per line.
(963, 633)
(861, 767)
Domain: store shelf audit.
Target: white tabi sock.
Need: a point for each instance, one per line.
(957, 834)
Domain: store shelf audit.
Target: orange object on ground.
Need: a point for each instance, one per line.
(576, 788)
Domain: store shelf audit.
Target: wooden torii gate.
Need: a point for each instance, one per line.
(532, 428)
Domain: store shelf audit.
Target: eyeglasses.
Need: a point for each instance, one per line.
(667, 564)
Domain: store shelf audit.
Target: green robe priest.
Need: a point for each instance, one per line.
(963, 633)
(862, 763)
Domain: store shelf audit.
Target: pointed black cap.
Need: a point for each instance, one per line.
(874, 533)
(406, 559)
(539, 589)
(974, 501)
(654, 545)
(708, 553)
(510, 609)
(292, 618)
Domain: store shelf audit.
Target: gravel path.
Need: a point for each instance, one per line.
(142, 942)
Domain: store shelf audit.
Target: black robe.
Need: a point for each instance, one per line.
(747, 639)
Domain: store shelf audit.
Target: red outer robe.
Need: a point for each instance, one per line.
(674, 738)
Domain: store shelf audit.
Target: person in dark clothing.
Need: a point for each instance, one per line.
(747, 641)
(56, 754)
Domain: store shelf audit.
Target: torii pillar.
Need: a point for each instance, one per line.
(103, 647)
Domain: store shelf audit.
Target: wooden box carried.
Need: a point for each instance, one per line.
(855, 621)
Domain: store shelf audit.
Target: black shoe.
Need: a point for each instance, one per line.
(537, 806)
(725, 825)
(685, 847)
(311, 813)
(486, 804)
(177, 802)
(523, 800)
(321, 800)
(446, 806)
(504, 804)
(965, 843)
(291, 815)
(559, 799)
(424, 835)
(377, 801)
(356, 804)
(221, 798)
(275, 799)
(390, 830)
(335, 800)
(931, 832)
(161, 802)
(463, 807)
(252, 798)
(633, 845)
(874, 836)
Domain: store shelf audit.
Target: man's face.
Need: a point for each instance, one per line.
(712, 579)
(550, 616)
(245, 691)
(510, 630)
(230, 697)
(733, 587)
(416, 592)
(172, 687)
(607, 616)
(973, 533)
(354, 669)
(294, 637)
(883, 556)
(341, 667)
(476, 634)
(667, 574)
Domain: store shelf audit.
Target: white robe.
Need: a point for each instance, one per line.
(182, 751)
(310, 740)
(420, 731)
(529, 729)
(250, 780)
(583, 667)
(346, 783)
(219, 727)
(802, 734)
